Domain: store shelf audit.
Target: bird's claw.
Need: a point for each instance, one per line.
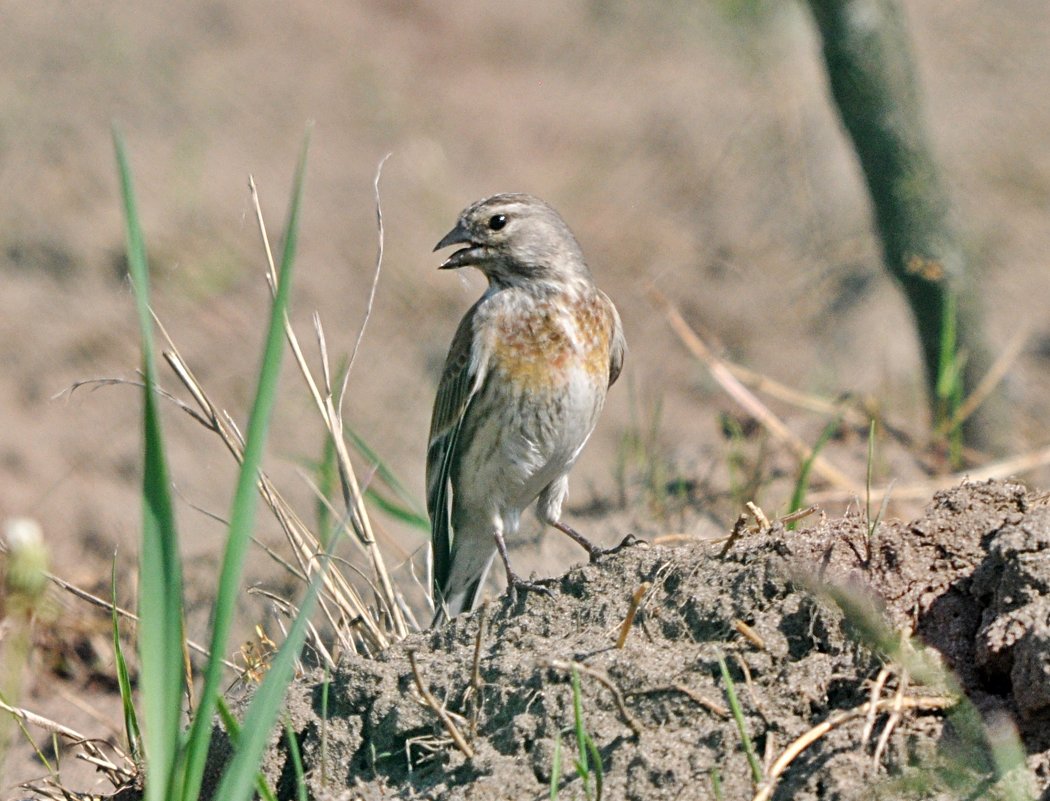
(627, 542)
(516, 584)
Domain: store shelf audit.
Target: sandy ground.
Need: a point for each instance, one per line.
(691, 149)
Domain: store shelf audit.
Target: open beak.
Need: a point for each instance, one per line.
(462, 257)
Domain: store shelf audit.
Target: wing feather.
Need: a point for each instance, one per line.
(460, 380)
(617, 342)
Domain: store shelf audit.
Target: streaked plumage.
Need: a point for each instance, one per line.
(524, 382)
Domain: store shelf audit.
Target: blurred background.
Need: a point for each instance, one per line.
(692, 147)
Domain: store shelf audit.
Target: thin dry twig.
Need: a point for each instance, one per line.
(896, 713)
(699, 698)
(920, 490)
(760, 516)
(928, 703)
(798, 514)
(746, 399)
(477, 683)
(738, 531)
(381, 238)
(439, 710)
(749, 634)
(608, 684)
(102, 603)
(877, 687)
(116, 774)
(696, 697)
(632, 610)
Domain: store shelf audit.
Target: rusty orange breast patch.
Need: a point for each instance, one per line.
(541, 349)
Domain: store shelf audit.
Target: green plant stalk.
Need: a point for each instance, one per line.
(233, 730)
(236, 783)
(556, 768)
(160, 631)
(798, 497)
(127, 701)
(716, 784)
(242, 516)
(324, 728)
(949, 378)
(582, 765)
(389, 477)
(868, 477)
(297, 760)
(599, 771)
(741, 724)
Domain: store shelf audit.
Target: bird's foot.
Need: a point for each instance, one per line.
(629, 541)
(516, 584)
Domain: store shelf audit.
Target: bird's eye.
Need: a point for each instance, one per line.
(497, 221)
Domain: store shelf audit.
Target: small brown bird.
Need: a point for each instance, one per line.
(523, 384)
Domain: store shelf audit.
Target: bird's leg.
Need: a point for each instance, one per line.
(593, 550)
(514, 581)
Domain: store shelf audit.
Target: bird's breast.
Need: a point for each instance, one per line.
(556, 344)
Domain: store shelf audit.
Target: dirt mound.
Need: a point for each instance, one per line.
(970, 577)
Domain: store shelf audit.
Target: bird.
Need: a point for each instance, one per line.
(522, 387)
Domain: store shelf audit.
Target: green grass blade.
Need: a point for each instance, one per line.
(326, 476)
(741, 724)
(324, 727)
(582, 766)
(237, 781)
(716, 784)
(556, 768)
(127, 703)
(242, 515)
(398, 511)
(297, 760)
(798, 497)
(233, 729)
(160, 631)
(407, 509)
(598, 770)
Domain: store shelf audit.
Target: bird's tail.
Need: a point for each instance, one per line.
(453, 603)
(460, 593)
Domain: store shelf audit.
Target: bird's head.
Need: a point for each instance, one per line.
(513, 239)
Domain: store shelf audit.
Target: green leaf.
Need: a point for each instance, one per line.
(127, 702)
(160, 632)
(242, 515)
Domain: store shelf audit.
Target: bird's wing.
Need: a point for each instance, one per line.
(617, 342)
(459, 384)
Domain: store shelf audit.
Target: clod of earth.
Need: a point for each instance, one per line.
(970, 578)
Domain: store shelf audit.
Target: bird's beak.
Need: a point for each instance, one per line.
(462, 257)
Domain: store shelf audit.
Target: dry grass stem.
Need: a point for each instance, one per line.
(387, 599)
(749, 634)
(797, 515)
(698, 698)
(747, 400)
(380, 241)
(102, 603)
(877, 687)
(929, 703)
(896, 713)
(760, 516)
(996, 373)
(439, 710)
(632, 610)
(115, 774)
(608, 684)
(921, 490)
